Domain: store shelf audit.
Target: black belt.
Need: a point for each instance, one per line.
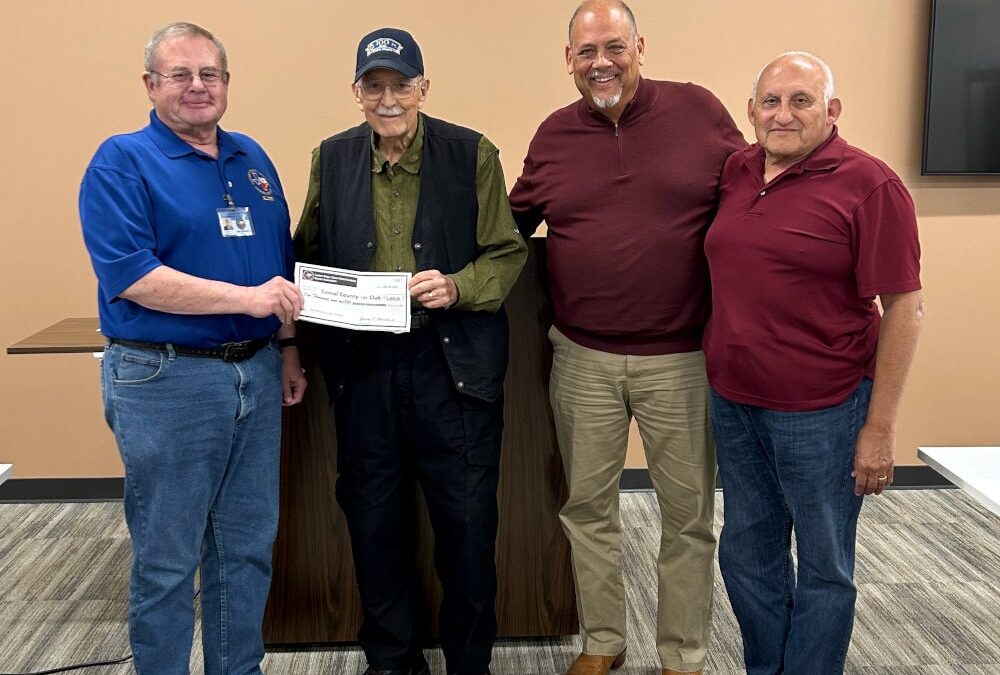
(229, 352)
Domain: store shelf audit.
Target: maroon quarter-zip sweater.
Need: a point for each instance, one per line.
(627, 207)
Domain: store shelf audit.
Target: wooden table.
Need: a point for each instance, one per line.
(69, 336)
(313, 594)
(974, 469)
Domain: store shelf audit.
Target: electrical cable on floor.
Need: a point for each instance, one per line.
(91, 664)
(75, 666)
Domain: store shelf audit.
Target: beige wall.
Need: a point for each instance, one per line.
(70, 78)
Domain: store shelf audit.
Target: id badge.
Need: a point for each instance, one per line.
(235, 221)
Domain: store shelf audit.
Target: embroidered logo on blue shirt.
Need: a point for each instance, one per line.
(260, 183)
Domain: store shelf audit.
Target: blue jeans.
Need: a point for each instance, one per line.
(783, 472)
(200, 442)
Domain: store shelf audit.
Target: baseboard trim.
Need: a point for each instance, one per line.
(113, 489)
(905, 478)
(918, 477)
(62, 490)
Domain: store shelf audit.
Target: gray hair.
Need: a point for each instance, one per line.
(181, 29)
(628, 14)
(827, 73)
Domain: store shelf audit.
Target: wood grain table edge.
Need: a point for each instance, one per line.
(75, 335)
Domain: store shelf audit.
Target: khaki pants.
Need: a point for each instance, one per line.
(594, 395)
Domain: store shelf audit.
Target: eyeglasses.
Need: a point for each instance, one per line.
(183, 78)
(373, 89)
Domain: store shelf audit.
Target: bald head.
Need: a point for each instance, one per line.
(793, 109)
(803, 60)
(604, 55)
(599, 5)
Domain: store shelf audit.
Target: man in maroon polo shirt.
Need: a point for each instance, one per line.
(806, 375)
(626, 178)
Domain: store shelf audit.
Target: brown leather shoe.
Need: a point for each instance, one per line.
(668, 671)
(591, 664)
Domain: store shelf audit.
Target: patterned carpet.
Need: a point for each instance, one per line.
(928, 575)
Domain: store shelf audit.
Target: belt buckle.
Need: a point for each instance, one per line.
(419, 320)
(234, 351)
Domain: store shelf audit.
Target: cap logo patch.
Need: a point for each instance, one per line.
(383, 45)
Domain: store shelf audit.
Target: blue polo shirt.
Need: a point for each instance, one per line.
(150, 199)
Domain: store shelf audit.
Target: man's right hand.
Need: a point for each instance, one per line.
(278, 296)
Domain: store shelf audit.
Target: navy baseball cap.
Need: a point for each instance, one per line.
(389, 48)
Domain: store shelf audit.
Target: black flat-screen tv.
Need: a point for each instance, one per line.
(962, 116)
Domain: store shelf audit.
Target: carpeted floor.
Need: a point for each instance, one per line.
(928, 576)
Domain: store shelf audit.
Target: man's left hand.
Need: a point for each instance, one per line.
(293, 378)
(433, 290)
(873, 460)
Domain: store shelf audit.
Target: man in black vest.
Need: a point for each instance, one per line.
(404, 192)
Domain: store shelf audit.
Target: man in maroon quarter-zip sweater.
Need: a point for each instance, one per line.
(626, 178)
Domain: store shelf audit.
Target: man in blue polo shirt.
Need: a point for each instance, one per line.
(188, 232)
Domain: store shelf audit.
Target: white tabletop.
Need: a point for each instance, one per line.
(6, 470)
(976, 470)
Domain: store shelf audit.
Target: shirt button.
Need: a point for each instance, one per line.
(370, 245)
(447, 340)
(395, 193)
(395, 230)
(398, 268)
(763, 192)
(460, 385)
(229, 183)
(418, 246)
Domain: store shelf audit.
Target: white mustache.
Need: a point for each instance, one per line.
(386, 110)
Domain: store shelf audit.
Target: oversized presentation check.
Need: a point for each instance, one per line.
(356, 300)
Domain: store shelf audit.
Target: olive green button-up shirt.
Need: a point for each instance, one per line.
(483, 283)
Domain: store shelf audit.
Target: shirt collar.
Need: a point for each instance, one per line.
(411, 159)
(173, 146)
(828, 155)
(640, 101)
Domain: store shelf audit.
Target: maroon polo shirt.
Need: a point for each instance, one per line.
(796, 266)
(627, 206)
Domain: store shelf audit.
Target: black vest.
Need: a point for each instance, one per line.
(444, 238)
